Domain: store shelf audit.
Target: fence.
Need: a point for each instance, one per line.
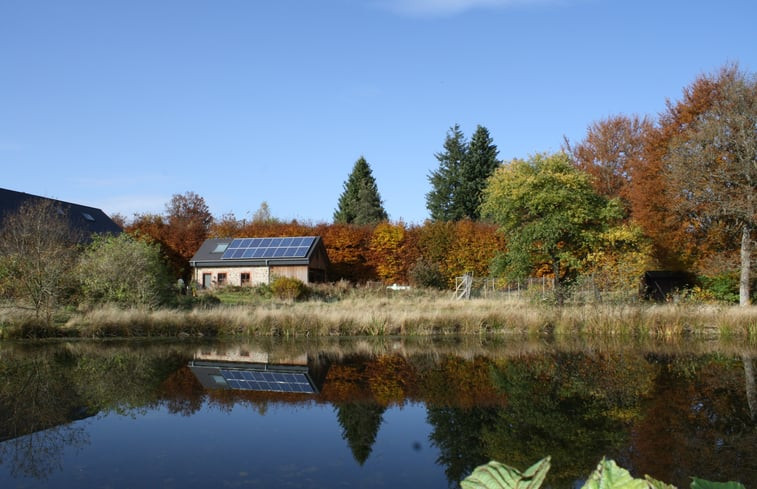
(584, 290)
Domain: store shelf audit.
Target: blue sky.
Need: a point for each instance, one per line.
(121, 104)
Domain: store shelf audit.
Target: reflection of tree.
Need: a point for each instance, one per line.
(39, 454)
(360, 422)
(44, 388)
(458, 435)
(697, 422)
(37, 401)
(572, 407)
(183, 392)
(751, 389)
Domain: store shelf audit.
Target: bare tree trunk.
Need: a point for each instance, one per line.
(746, 261)
(558, 288)
(751, 389)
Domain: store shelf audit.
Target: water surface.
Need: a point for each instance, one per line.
(381, 413)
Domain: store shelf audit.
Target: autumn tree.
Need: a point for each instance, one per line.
(360, 202)
(387, 254)
(38, 250)
(153, 229)
(188, 221)
(610, 151)
(712, 163)
(549, 213)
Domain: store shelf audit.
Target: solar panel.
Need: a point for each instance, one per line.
(268, 381)
(250, 248)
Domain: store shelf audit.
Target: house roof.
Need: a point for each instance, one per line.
(289, 250)
(81, 217)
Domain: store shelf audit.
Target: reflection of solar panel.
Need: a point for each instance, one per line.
(251, 248)
(264, 380)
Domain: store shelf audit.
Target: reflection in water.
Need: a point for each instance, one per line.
(667, 412)
(751, 389)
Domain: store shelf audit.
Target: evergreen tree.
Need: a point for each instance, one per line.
(444, 199)
(458, 183)
(360, 202)
(479, 164)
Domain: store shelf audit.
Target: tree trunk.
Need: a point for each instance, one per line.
(746, 260)
(558, 289)
(751, 390)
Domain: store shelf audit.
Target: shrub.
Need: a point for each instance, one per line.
(288, 288)
(424, 273)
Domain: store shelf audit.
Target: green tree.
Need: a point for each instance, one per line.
(549, 214)
(464, 168)
(444, 201)
(125, 271)
(360, 202)
(713, 163)
(38, 250)
(478, 165)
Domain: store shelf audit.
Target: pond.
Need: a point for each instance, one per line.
(382, 412)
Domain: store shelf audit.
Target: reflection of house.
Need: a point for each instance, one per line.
(252, 370)
(254, 261)
(88, 220)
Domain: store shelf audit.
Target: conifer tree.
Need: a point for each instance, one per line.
(360, 202)
(443, 201)
(479, 164)
(464, 168)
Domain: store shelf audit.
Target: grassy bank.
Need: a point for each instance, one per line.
(394, 314)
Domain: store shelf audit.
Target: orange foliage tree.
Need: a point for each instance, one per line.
(611, 148)
(387, 252)
(348, 250)
(472, 250)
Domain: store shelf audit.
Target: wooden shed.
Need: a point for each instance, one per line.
(254, 261)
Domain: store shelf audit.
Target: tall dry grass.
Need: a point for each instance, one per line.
(409, 315)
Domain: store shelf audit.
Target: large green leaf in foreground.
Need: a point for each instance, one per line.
(703, 484)
(607, 475)
(495, 475)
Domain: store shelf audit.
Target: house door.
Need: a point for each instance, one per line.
(206, 280)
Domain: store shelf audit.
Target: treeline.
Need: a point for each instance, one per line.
(431, 254)
(675, 193)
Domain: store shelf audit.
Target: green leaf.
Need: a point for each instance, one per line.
(609, 476)
(655, 484)
(703, 484)
(495, 475)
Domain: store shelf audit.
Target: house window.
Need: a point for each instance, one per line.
(221, 279)
(245, 278)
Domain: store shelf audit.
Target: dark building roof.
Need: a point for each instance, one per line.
(291, 250)
(90, 220)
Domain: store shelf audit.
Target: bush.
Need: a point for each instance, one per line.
(424, 273)
(289, 288)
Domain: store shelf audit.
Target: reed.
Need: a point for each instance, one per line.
(406, 315)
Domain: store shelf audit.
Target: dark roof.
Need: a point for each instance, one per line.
(83, 218)
(211, 254)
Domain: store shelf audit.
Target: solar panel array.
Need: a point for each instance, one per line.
(251, 248)
(266, 380)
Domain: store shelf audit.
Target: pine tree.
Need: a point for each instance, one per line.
(360, 202)
(479, 164)
(443, 201)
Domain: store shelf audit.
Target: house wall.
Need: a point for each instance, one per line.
(258, 275)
